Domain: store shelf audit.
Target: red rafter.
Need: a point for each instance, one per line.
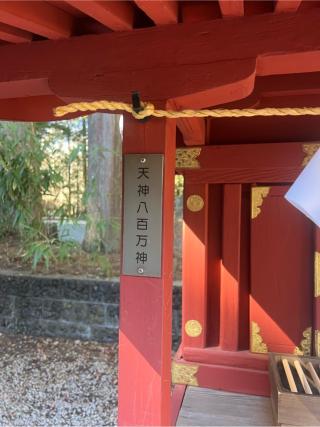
(116, 15)
(199, 11)
(231, 8)
(14, 35)
(36, 17)
(286, 6)
(161, 12)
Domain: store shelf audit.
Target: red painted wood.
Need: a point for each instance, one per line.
(199, 68)
(287, 6)
(194, 264)
(256, 7)
(244, 291)
(177, 400)
(301, 84)
(245, 163)
(281, 272)
(273, 175)
(231, 8)
(39, 107)
(255, 156)
(193, 130)
(216, 356)
(214, 264)
(199, 11)
(146, 303)
(116, 15)
(233, 378)
(230, 270)
(67, 8)
(14, 35)
(162, 12)
(37, 17)
(261, 130)
(39, 87)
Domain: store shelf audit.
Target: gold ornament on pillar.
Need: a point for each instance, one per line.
(193, 328)
(195, 203)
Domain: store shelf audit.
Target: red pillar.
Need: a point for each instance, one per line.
(194, 271)
(146, 302)
(230, 278)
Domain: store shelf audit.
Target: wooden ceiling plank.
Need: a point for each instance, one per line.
(162, 12)
(14, 35)
(231, 8)
(36, 17)
(286, 6)
(116, 15)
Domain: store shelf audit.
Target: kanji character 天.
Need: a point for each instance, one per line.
(143, 173)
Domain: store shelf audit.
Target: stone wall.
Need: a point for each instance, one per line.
(66, 307)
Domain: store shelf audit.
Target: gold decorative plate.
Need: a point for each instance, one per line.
(195, 203)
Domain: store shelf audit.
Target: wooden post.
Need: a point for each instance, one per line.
(194, 271)
(146, 302)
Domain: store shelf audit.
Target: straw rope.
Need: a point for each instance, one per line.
(150, 110)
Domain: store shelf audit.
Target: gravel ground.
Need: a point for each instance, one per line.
(56, 382)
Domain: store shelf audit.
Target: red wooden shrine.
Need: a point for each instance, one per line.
(250, 260)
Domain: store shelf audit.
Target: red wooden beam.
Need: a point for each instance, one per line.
(116, 15)
(286, 6)
(230, 377)
(37, 17)
(162, 12)
(14, 35)
(231, 8)
(198, 69)
(278, 162)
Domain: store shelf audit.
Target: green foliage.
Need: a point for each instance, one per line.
(28, 174)
(178, 185)
(103, 262)
(43, 173)
(24, 177)
(41, 249)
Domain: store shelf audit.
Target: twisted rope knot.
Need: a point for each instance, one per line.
(148, 110)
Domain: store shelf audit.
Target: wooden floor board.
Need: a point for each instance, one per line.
(205, 407)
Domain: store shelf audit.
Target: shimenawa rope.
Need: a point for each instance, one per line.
(150, 110)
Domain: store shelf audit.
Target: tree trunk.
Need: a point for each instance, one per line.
(103, 183)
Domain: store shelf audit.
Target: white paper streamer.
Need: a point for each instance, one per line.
(304, 194)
